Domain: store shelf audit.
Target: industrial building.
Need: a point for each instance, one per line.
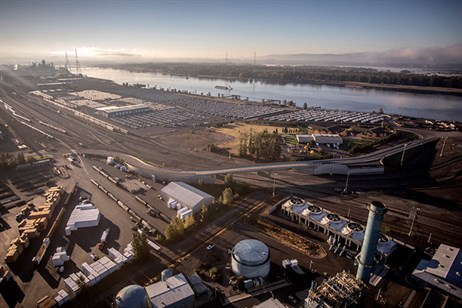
(341, 290)
(339, 229)
(188, 196)
(329, 140)
(117, 111)
(178, 291)
(443, 271)
(250, 258)
(84, 215)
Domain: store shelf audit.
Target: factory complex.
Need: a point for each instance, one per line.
(131, 196)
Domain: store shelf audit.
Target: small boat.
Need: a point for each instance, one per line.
(224, 88)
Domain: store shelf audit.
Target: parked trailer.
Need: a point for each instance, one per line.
(112, 196)
(113, 180)
(122, 205)
(103, 189)
(105, 235)
(94, 182)
(140, 200)
(154, 245)
(96, 168)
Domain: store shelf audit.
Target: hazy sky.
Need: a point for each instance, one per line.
(209, 29)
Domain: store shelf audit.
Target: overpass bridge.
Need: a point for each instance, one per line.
(365, 164)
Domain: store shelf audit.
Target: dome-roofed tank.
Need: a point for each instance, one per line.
(132, 296)
(250, 258)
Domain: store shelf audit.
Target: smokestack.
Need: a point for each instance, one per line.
(374, 221)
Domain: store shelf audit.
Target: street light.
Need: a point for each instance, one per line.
(274, 183)
(402, 156)
(413, 219)
(346, 183)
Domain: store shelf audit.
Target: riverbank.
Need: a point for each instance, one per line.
(404, 88)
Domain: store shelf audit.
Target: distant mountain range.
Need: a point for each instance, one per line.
(445, 57)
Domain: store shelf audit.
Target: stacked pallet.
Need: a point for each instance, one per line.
(17, 246)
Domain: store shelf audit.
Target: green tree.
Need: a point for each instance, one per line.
(205, 212)
(243, 143)
(140, 246)
(189, 222)
(175, 229)
(227, 196)
(229, 180)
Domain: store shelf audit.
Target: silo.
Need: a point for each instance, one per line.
(374, 221)
(250, 258)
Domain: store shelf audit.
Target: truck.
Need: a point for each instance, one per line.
(103, 239)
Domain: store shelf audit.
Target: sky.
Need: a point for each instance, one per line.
(210, 29)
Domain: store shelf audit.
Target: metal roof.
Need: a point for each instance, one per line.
(443, 270)
(327, 138)
(251, 252)
(186, 194)
(170, 291)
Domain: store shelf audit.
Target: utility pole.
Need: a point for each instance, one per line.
(346, 183)
(402, 156)
(413, 219)
(444, 143)
(274, 184)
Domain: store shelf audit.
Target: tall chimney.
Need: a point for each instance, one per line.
(374, 221)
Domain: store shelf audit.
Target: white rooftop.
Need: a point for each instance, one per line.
(84, 215)
(186, 194)
(443, 271)
(170, 291)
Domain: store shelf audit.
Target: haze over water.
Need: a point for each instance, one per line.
(439, 107)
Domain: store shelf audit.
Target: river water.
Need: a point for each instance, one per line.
(431, 106)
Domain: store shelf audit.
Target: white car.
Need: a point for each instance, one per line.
(210, 246)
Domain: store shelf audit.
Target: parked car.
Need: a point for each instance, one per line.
(210, 246)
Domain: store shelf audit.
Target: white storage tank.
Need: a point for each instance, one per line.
(250, 258)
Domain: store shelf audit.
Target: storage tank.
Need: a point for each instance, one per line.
(250, 258)
(132, 296)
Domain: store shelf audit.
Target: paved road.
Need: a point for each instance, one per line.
(374, 158)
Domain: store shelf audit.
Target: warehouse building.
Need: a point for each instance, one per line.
(443, 271)
(329, 140)
(116, 111)
(178, 291)
(188, 196)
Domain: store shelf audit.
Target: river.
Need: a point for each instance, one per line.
(431, 106)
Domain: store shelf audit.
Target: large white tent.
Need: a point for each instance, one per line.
(188, 196)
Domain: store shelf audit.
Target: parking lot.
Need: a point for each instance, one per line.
(325, 115)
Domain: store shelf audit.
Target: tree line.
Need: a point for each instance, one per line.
(10, 161)
(298, 74)
(261, 145)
